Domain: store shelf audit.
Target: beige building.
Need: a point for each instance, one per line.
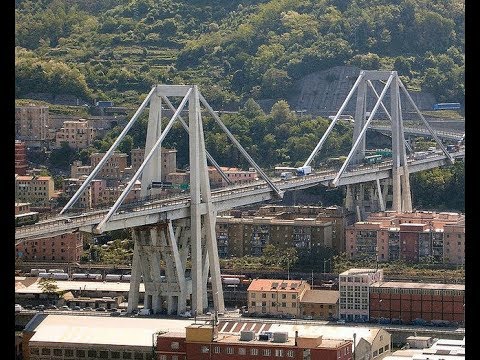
(276, 297)
(38, 190)
(320, 304)
(169, 161)
(247, 233)
(79, 134)
(31, 122)
(354, 286)
(113, 169)
(77, 170)
(235, 175)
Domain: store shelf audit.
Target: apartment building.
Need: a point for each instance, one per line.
(78, 134)
(276, 297)
(31, 123)
(114, 167)
(354, 287)
(77, 170)
(305, 228)
(168, 158)
(417, 303)
(20, 157)
(414, 237)
(37, 190)
(235, 175)
(60, 248)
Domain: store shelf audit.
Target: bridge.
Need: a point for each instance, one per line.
(447, 135)
(181, 229)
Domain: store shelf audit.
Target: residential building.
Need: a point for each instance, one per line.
(38, 190)
(31, 123)
(247, 233)
(276, 297)
(20, 157)
(70, 187)
(235, 175)
(61, 248)
(168, 156)
(78, 134)
(77, 170)
(114, 167)
(22, 208)
(419, 236)
(417, 303)
(354, 287)
(320, 304)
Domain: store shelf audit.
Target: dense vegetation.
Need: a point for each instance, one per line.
(233, 49)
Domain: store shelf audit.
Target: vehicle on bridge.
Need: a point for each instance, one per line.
(286, 175)
(335, 161)
(372, 159)
(304, 170)
(27, 218)
(446, 106)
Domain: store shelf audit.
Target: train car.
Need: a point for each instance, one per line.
(26, 219)
(126, 277)
(386, 153)
(95, 277)
(56, 271)
(59, 276)
(45, 275)
(113, 277)
(231, 281)
(35, 272)
(446, 106)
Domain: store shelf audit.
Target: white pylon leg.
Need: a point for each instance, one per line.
(136, 274)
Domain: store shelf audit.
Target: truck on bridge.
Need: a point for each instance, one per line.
(304, 170)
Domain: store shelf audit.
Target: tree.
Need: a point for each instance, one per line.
(48, 286)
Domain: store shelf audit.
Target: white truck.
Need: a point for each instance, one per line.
(304, 170)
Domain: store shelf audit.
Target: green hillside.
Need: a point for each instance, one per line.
(234, 50)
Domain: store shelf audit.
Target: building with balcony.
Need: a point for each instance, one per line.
(421, 236)
(37, 190)
(168, 159)
(78, 134)
(114, 167)
(247, 233)
(31, 123)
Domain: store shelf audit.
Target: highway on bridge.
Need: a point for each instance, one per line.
(177, 207)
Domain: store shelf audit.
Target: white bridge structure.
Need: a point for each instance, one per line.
(178, 233)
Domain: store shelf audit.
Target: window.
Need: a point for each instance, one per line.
(205, 349)
(127, 355)
(253, 303)
(264, 296)
(294, 296)
(102, 354)
(92, 353)
(115, 354)
(284, 304)
(279, 352)
(81, 354)
(290, 353)
(175, 345)
(163, 357)
(57, 352)
(35, 351)
(216, 349)
(45, 351)
(230, 350)
(138, 356)
(242, 351)
(253, 351)
(266, 352)
(284, 296)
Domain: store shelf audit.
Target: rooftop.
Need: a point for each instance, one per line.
(275, 285)
(320, 296)
(416, 285)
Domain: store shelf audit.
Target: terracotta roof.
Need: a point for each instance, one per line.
(275, 285)
(320, 297)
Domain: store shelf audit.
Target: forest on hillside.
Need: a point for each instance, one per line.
(234, 50)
